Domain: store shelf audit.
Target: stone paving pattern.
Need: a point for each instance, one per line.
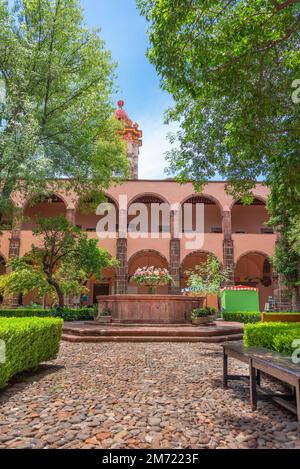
(126, 395)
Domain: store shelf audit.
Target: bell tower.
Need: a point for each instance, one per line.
(133, 135)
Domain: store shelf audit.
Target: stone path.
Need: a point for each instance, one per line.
(118, 395)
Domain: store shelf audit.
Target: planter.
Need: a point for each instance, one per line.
(104, 319)
(203, 321)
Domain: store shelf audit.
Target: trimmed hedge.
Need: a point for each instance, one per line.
(28, 342)
(243, 316)
(275, 336)
(67, 314)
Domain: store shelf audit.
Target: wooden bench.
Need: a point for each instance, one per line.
(273, 364)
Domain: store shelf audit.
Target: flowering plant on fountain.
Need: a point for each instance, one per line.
(152, 277)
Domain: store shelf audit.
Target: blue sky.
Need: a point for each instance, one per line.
(124, 32)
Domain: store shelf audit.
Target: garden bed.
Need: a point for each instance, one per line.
(27, 342)
(242, 316)
(275, 336)
(67, 314)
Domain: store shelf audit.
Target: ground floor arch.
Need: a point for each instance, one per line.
(254, 269)
(190, 262)
(144, 258)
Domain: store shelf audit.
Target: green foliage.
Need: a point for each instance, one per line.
(294, 235)
(62, 263)
(243, 316)
(24, 278)
(56, 79)
(67, 314)
(208, 277)
(28, 342)
(230, 66)
(272, 335)
(202, 312)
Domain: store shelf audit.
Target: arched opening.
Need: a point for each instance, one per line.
(212, 214)
(87, 219)
(103, 286)
(2, 272)
(142, 259)
(155, 221)
(43, 207)
(254, 269)
(250, 218)
(190, 262)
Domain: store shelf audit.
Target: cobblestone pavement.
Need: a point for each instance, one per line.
(119, 395)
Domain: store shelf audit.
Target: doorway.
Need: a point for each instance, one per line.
(99, 290)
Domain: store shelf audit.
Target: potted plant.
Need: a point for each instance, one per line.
(104, 316)
(202, 316)
(152, 277)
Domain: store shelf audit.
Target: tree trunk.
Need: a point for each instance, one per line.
(60, 295)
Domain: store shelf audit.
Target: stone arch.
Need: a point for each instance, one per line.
(191, 260)
(54, 194)
(143, 258)
(148, 198)
(52, 206)
(253, 268)
(250, 219)
(205, 196)
(212, 212)
(142, 195)
(87, 221)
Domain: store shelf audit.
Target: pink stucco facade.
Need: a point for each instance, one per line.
(236, 234)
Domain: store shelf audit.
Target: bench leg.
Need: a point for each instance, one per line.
(253, 391)
(258, 377)
(298, 400)
(225, 370)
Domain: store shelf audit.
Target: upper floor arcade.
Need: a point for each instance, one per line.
(224, 217)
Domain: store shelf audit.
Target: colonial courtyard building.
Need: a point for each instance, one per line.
(238, 235)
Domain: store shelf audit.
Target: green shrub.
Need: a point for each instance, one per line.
(277, 336)
(242, 316)
(67, 314)
(28, 342)
(203, 312)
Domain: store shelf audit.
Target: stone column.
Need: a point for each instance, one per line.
(228, 249)
(12, 301)
(174, 288)
(282, 294)
(71, 215)
(122, 270)
(175, 266)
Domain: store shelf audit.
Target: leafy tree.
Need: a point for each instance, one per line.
(208, 277)
(233, 68)
(23, 278)
(230, 66)
(62, 262)
(294, 235)
(56, 82)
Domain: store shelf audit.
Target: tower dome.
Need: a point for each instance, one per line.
(121, 114)
(132, 134)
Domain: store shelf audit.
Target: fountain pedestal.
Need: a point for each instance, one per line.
(149, 309)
